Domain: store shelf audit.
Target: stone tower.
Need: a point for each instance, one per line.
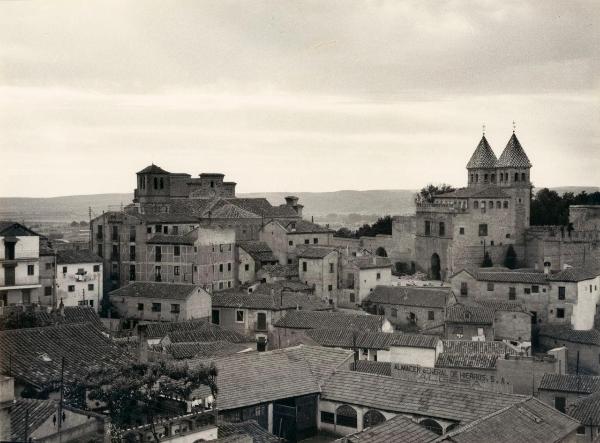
(482, 165)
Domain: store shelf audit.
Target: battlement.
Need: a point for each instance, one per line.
(442, 208)
(562, 233)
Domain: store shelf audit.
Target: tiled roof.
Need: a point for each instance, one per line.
(282, 300)
(231, 211)
(72, 314)
(170, 239)
(208, 332)
(166, 291)
(586, 410)
(560, 332)
(583, 384)
(259, 251)
(336, 320)
(373, 367)
(168, 217)
(282, 285)
(478, 347)
(252, 378)
(314, 252)
(248, 428)
(508, 306)
(513, 277)
(490, 191)
(203, 349)
(29, 413)
(528, 421)
(344, 338)
(306, 227)
(483, 157)
(156, 330)
(513, 155)
(278, 270)
(451, 402)
(66, 257)
(409, 296)
(152, 169)
(575, 274)
(470, 361)
(399, 429)
(460, 313)
(14, 229)
(371, 262)
(35, 353)
(262, 207)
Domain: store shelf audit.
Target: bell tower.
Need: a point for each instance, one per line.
(482, 165)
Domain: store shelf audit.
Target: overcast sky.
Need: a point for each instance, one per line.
(293, 95)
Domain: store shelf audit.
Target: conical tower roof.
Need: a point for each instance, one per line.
(483, 157)
(513, 155)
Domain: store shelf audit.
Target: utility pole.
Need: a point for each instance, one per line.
(62, 394)
(26, 424)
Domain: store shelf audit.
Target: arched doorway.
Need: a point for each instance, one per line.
(435, 267)
(372, 418)
(432, 425)
(381, 252)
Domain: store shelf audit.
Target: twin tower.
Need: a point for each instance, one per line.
(510, 170)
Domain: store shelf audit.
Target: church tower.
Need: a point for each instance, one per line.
(482, 165)
(513, 172)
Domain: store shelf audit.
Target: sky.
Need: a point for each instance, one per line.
(293, 95)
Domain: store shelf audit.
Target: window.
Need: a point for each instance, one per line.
(30, 269)
(394, 312)
(304, 266)
(221, 267)
(158, 253)
(229, 266)
(507, 235)
(132, 234)
(464, 288)
(461, 231)
(516, 176)
(132, 253)
(115, 233)
(157, 274)
(140, 306)
(176, 251)
(131, 272)
(490, 286)
(315, 240)
(176, 270)
(331, 268)
(430, 315)
(96, 268)
(483, 230)
(306, 241)
(47, 290)
(560, 403)
(330, 288)
(71, 288)
(560, 313)
(505, 204)
(175, 308)
(476, 204)
(327, 417)
(90, 286)
(498, 204)
(175, 230)
(216, 316)
(427, 227)
(239, 316)
(48, 266)
(352, 298)
(156, 307)
(512, 293)
(149, 230)
(581, 430)
(527, 290)
(535, 289)
(246, 267)
(378, 277)
(346, 416)
(442, 229)
(155, 183)
(291, 243)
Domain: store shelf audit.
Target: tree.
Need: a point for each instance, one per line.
(383, 225)
(74, 223)
(133, 392)
(510, 260)
(550, 208)
(344, 233)
(429, 192)
(487, 261)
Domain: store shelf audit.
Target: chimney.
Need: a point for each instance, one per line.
(142, 343)
(291, 200)
(547, 265)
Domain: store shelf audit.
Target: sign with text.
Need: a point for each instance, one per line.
(478, 379)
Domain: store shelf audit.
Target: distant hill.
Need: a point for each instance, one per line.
(75, 207)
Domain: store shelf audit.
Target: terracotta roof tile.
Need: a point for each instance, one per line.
(478, 347)
(248, 428)
(584, 384)
(73, 257)
(166, 291)
(470, 361)
(399, 429)
(344, 338)
(560, 332)
(460, 313)
(586, 410)
(513, 155)
(410, 296)
(324, 320)
(483, 157)
(373, 367)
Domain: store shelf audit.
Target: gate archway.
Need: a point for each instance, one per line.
(381, 252)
